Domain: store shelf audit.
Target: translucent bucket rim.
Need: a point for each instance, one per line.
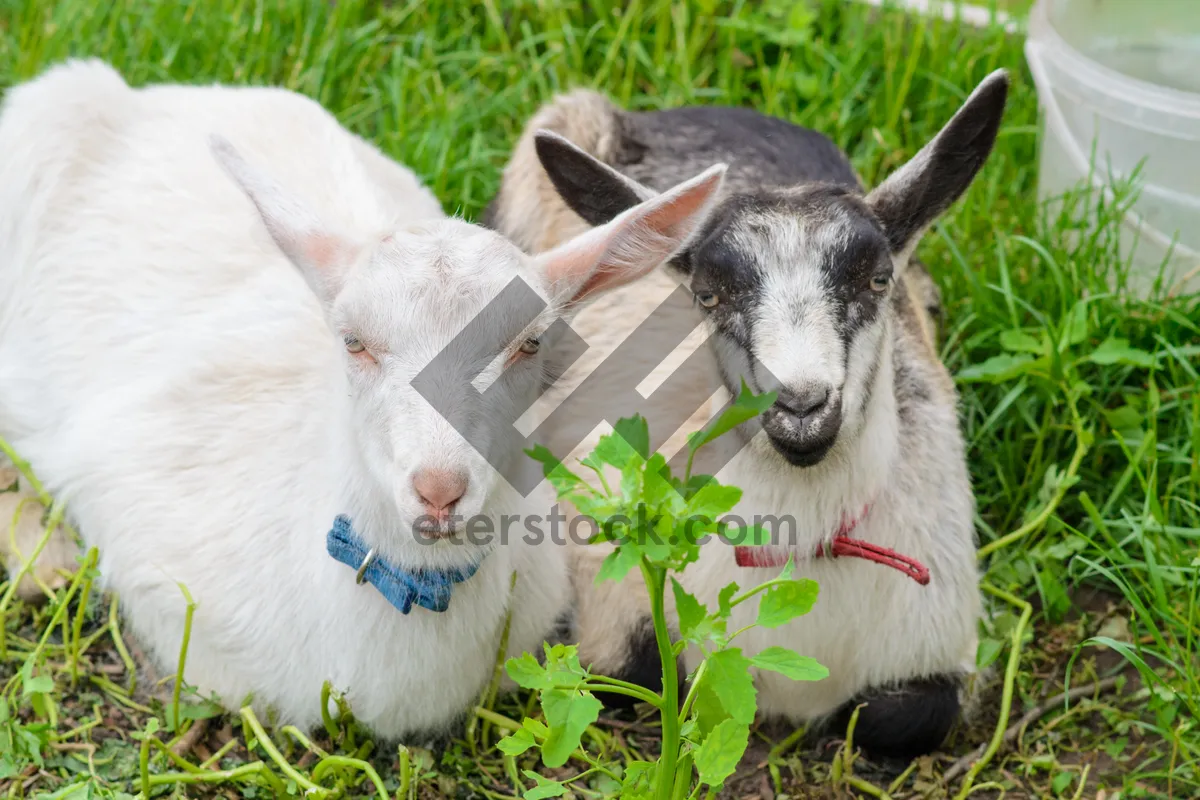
(1057, 127)
(1107, 87)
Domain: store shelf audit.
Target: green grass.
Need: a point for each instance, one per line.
(1089, 456)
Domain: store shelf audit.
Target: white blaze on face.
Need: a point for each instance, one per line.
(795, 324)
(796, 332)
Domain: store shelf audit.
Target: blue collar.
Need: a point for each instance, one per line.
(427, 588)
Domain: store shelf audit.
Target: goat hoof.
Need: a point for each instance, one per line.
(904, 720)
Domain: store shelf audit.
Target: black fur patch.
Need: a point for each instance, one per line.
(564, 628)
(905, 721)
(850, 270)
(717, 265)
(584, 184)
(762, 151)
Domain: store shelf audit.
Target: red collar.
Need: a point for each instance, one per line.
(841, 545)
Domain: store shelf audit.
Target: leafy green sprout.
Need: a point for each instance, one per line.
(656, 522)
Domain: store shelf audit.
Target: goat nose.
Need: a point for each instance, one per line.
(803, 402)
(439, 489)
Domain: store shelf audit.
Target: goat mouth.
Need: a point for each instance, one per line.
(802, 452)
(436, 531)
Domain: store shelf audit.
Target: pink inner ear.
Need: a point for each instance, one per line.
(323, 258)
(603, 277)
(628, 248)
(577, 259)
(323, 251)
(666, 218)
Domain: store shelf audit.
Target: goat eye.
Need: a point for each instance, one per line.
(353, 344)
(879, 283)
(707, 299)
(530, 346)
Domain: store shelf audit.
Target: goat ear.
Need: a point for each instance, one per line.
(321, 255)
(915, 195)
(634, 243)
(589, 187)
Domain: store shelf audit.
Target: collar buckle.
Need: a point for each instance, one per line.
(360, 575)
(429, 588)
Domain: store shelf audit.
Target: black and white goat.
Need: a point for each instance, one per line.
(803, 283)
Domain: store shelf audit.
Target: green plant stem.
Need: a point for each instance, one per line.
(691, 695)
(86, 642)
(118, 694)
(842, 770)
(84, 728)
(687, 473)
(114, 626)
(777, 752)
(216, 757)
(77, 628)
(405, 772)
(655, 578)
(866, 787)
(762, 587)
(629, 690)
(604, 483)
(596, 766)
(298, 735)
(897, 784)
(258, 768)
(683, 776)
(741, 630)
(1010, 677)
(248, 716)
(336, 762)
(63, 603)
(172, 756)
(1083, 776)
(331, 727)
(183, 648)
(56, 515)
(651, 698)
(27, 564)
(1035, 524)
(26, 472)
(499, 720)
(150, 740)
(144, 766)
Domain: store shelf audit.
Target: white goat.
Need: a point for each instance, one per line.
(209, 376)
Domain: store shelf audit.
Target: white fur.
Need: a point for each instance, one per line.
(172, 365)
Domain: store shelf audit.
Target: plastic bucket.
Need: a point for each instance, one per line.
(1118, 83)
